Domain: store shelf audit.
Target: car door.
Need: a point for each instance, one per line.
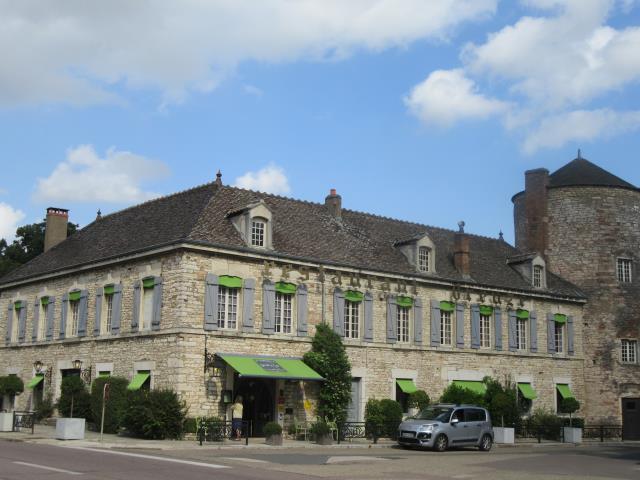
(456, 431)
(474, 420)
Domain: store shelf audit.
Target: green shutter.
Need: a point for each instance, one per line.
(148, 282)
(284, 287)
(74, 296)
(564, 390)
(404, 301)
(522, 314)
(560, 318)
(353, 296)
(486, 310)
(109, 289)
(138, 380)
(475, 386)
(229, 281)
(527, 391)
(447, 306)
(104, 374)
(17, 305)
(407, 386)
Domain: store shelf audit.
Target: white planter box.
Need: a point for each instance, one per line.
(70, 428)
(6, 422)
(572, 435)
(503, 435)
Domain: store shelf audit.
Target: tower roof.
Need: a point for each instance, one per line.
(582, 172)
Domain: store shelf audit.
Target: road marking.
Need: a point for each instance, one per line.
(353, 458)
(152, 457)
(243, 459)
(44, 467)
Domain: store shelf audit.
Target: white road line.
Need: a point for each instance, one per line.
(152, 457)
(43, 467)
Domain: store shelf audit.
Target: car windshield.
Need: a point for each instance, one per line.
(440, 414)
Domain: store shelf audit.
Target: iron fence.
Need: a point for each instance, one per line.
(603, 432)
(24, 420)
(553, 433)
(219, 431)
(370, 430)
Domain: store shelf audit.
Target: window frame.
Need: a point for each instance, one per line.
(402, 324)
(352, 319)
(624, 269)
(258, 234)
(521, 334)
(424, 262)
(146, 302)
(446, 320)
(73, 318)
(631, 347)
(538, 276)
(107, 314)
(486, 329)
(227, 294)
(42, 321)
(279, 324)
(558, 338)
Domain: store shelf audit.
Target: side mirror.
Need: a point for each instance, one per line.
(454, 421)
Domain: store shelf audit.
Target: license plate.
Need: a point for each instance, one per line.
(408, 434)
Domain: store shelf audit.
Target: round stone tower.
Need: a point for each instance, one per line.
(585, 221)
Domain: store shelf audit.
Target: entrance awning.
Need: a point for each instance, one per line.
(473, 385)
(33, 383)
(138, 380)
(564, 390)
(527, 391)
(270, 367)
(407, 386)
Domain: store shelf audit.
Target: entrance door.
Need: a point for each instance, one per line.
(631, 418)
(353, 410)
(257, 401)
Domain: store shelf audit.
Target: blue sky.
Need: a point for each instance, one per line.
(428, 111)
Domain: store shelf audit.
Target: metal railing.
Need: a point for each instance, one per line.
(350, 430)
(219, 431)
(553, 433)
(603, 432)
(24, 420)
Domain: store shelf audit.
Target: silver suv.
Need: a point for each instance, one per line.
(443, 425)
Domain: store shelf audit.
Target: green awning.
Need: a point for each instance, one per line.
(527, 391)
(560, 318)
(522, 314)
(33, 383)
(353, 296)
(104, 374)
(44, 301)
(402, 301)
(270, 367)
(17, 305)
(138, 380)
(74, 296)
(473, 385)
(407, 386)
(447, 306)
(286, 288)
(229, 282)
(486, 310)
(109, 289)
(564, 390)
(148, 282)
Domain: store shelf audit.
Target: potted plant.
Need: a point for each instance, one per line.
(273, 433)
(418, 401)
(10, 386)
(571, 434)
(73, 395)
(322, 432)
(501, 406)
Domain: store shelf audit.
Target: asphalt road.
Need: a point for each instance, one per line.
(37, 461)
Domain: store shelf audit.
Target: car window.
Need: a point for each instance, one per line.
(440, 414)
(459, 414)
(474, 415)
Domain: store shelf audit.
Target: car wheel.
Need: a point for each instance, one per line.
(486, 443)
(441, 443)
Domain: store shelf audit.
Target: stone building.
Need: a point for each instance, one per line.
(215, 292)
(585, 222)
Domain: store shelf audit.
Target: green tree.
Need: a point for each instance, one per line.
(329, 358)
(155, 414)
(419, 399)
(459, 395)
(570, 405)
(28, 244)
(74, 396)
(115, 406)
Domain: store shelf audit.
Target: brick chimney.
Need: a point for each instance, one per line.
(461, 257)
(56, 227)
(333, 202)
(535, 209)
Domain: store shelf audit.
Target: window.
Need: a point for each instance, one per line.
(559, 337)
(445, 328)
(17, 306)
(74, 314)
(485, 331)
(108, 313)
(629, 351)
(538, 273)
(257, 233)
(423, 259)
(42, 318)
(402, 324)
(227, 308)
(521, 334)
(624, 270)
(283, 313)
(351, 319)
(147, 304)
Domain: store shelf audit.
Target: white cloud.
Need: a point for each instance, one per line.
(271, 179)
(580, 126)
(447, 96)
(253, 90)
(83, 52)
(85, 177)
(9, 219)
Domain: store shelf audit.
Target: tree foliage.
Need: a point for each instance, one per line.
(11, 385)
(329, 358)
(459, 395)
(419, 399)
(115, 405)
(74, 398)
(28, 244)
(155, 414)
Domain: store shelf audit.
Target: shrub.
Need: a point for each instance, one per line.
(155, 415)
(74, 399)
(502, 403)
(11, 385)
(459, 395)
(569, 405)
(382, 417)
(329, 358)
(321, 428)
(272, 428)
(190, 425)
(419, 399)
(45, 408)
(546, 423)
(115, 405)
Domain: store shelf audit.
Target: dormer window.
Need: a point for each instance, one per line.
(538, 274)
(257, 232)
(423, 258)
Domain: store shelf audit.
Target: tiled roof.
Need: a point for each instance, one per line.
(302, 230)
(582, 172)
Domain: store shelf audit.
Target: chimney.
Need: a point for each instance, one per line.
(218, 181)
(461, 257)
(333, 202)
(535, 210)
(56, 227)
